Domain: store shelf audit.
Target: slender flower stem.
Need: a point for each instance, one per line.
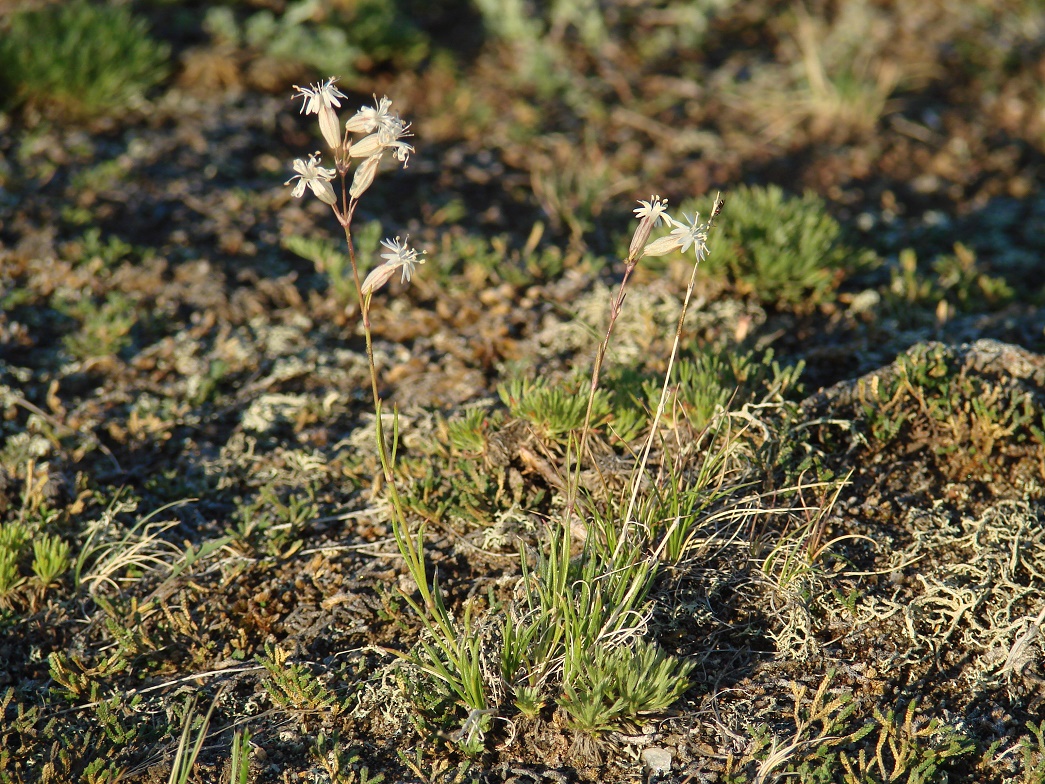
(667, 376)
(412, 551)
(615, 309)
(455, 657)
(364, 310)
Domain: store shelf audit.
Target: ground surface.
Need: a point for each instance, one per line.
(186, 401)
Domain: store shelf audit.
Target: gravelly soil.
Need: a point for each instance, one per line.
(182, 354)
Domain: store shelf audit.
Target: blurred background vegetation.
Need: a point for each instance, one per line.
(904, 117)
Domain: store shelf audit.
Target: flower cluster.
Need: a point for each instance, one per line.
(383, 131)
(683, 235)
(379, 131)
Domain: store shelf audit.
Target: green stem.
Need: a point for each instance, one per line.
(412, 551)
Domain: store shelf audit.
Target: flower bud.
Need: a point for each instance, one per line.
(364, 176)
(330, 127)
(367, 146)
(377, 278)
(662, 246)
(324, 191)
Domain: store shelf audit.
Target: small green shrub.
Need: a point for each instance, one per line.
(1032, 752)
(10, 578)
(555, 410)
(969, 416)
(907, 748)
(293, 687)
(341, 762)
(960, 282)
(546, 37)
(105, 327)
(483, 261)
(50, 558)
(468, 433)
(784, 250)
(78, 59)
(13, 537)
(615, 688)
(333, 38)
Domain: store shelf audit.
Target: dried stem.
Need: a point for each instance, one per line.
(615, 309)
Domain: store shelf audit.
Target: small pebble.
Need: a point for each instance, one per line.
(657, 760)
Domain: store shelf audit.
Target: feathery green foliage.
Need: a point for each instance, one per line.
(79, 59)
(784, 250)
(613, 687)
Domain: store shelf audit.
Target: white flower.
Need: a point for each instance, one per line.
(385, 131)
(318, 96)
(650, 213)
(369, 119)
(400, 150)
(398, 256)
(321, 99)
(654, 210)
(695, 234)
(317, 178)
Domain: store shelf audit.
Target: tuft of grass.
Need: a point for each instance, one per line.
(674, 513)
(710, 382)
(239, 757)
(613, 688)
(79, 59)
(833, 75)
(186, 755)
(573, 185)
(111, 554)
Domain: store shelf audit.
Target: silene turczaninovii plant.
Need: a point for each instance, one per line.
(574, 638)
